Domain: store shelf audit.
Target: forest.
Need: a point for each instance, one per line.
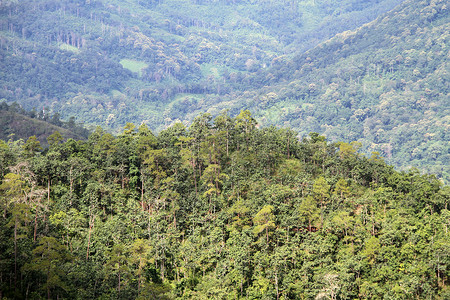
(220, 209)
(292, 149)
(375, 72)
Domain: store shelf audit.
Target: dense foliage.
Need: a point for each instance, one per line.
(219, 210)
(386, 85)
(111, 62)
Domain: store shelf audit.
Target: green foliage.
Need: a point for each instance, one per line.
(264, 220)
(134, 65)
(219, 209)
(49, 259)
(151, 52)
(299, 63)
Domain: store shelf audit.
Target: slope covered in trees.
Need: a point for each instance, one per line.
(17, 125)
(385, 85)
(218, 210)
(112, 62)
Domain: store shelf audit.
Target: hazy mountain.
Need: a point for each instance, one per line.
(16, 125)
(109, 62)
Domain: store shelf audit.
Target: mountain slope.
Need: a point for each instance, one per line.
(218, 210)
(15, 126)
(111, 62)
(385, 85)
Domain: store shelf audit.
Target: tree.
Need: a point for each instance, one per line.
(19, 219)
(140, 251)
(54, 139)
(331, 288)
(245, 125)
(308, 211)
(341, 189)
(6, 158)
(321, 192)
(51, 259)
(371, 250)
(13, 190)
(118, 265)
(238, 257)
(212, 180)
(264, 220)
(224, 126)
(31, 147)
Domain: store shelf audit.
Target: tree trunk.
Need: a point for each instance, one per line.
(142, 194)
(35, 226)
(91, 225)
(15, 254)
(195, 179)
(119, 278)
(227, 142)
(276, 286)
(48, 285)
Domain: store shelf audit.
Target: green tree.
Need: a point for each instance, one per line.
(51, 259)
(342, 189)
(308, 211)
(117, 265)
(6, 157)
(31, 147)
(54, 139)
(140, 251)
(264, 221)
(371, 250)
(244, 125)
(321, 191)
(20, 217)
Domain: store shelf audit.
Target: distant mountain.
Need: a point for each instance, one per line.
(112, 62)
(385, 84)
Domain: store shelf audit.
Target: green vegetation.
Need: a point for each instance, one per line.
(57, 52)
(384, 84)
(224, 208)
(218, 210)
(67, 47)
(134, 65)
(17, 125)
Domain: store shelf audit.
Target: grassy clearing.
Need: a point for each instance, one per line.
(215, 70)
(210, 69)
(135, 66)
(117, 94)
(67, 47)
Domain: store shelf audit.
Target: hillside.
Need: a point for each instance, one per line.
(386, 85)
(112, 62)
(218, 210)
(15, 125)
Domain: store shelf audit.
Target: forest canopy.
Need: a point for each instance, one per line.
(217, 210)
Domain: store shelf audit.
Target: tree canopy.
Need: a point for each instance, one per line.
(220, 209)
